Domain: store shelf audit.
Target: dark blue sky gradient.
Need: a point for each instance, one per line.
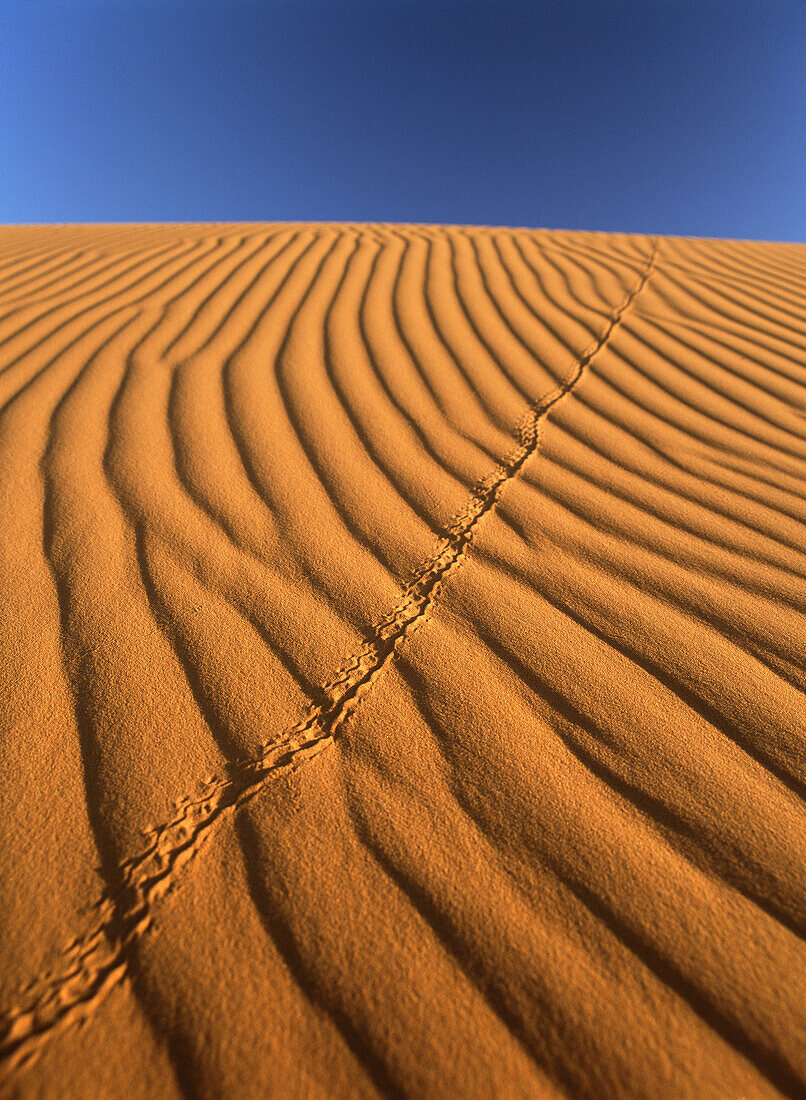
(660, 116)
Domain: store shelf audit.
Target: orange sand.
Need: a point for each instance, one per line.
(401, 663)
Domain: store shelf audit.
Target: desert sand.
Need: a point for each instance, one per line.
(401, 663)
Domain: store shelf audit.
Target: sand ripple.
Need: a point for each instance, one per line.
(450, 583)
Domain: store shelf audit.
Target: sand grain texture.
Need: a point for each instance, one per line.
(401, 663)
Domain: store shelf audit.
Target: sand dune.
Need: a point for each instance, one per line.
(401, 663)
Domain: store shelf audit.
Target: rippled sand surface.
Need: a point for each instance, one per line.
(401, 663)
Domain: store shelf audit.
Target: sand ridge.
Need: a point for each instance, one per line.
(246, 444)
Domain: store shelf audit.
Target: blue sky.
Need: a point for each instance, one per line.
(660, 116)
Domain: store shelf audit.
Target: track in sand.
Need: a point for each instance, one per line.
(401, 663)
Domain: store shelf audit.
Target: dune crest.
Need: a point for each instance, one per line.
(401, 674)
